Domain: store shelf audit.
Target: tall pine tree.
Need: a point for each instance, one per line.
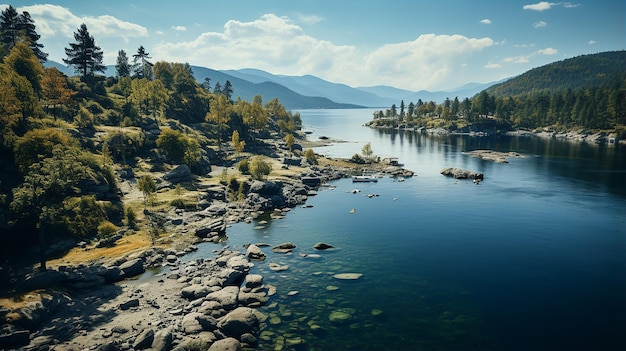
(15, 28)
(84, 54)
(143, 67)
(122, 67)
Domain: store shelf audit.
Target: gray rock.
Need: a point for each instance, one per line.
(190, 323)
(128, 304)
(229, 276)
(322, 246)
(162, 340)
(228, 344)
(113, 274)
(239, 263)
(458, 173)
(226, 297)
(265, 189)
(144, 340)
(252, 298)
(240, 321)
(254, 280)
(284, 247)
(255, 253)
(182, 173)
(132, 268)
(194, 291)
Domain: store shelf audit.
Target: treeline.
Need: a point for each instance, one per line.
(63, 138)
(598, 106)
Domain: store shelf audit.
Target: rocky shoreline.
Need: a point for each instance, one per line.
(575, 136)
(204, 304)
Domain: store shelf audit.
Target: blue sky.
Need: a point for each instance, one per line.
(414, 45)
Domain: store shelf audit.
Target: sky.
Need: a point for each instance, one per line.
(415, 45)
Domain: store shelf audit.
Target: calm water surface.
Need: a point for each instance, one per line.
(532, 258)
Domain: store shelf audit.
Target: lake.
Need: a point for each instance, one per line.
(534, 257)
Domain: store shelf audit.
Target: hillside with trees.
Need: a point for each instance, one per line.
(585, 93)
(66, 141)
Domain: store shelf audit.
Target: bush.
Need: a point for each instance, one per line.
(356, 158)
(131, 218)
(244, 166)
(107, 229)
(178, 203)
(310, 156)
(259, 169)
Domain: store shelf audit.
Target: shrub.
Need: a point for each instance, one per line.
(259, 169)
(356, 158)
(107, 229)
(310, 156)
(131, 218)
(244, 166)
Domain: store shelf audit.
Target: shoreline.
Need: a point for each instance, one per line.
(600, 138)
(191, 303)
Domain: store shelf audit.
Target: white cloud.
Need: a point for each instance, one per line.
(544, 5)
(540, 6)
(540, 24)
(486, 21)
(526, 58)
(52, 20)
(276, 44)
(591, 42)
(492, 65)
(179, 28)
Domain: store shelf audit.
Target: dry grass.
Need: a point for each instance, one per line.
(20, 301)
(125, 245)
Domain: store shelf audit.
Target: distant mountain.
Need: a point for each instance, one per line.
(309, 85)
(247, 89)
(396, 95)
(602, 70)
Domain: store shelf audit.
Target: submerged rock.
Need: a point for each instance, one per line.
(284, 247)
(322, 246)
(348, 276)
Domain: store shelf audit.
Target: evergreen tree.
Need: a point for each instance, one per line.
(143, 67)
(9, 26)
(122, 67)
(84, 54)
(27, 27)
(15, 28)
(228, 90)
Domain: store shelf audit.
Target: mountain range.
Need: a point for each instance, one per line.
(308, 91)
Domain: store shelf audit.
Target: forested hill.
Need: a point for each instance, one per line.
(602, 70)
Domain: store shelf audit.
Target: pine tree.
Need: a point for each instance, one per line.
(84, 54)
(9, 26)
(27, 27)
(143, 67)
(15, 28)
(122, 67)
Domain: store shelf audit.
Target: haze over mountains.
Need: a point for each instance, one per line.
(304, 92)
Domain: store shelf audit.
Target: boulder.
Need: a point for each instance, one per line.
(266, 189)
(162, 340)
(194, 291)
(144, 340)
(239, 263)
(228, 344)
(206, 227)
(226, 298)
(128, 304)
(190, 323)
(284, 247)
(180, 174)
(322, 246)
(255, 253)
(239, 321)
(132, 268)
(254, 280)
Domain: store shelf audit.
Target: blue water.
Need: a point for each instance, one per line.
(532, 258)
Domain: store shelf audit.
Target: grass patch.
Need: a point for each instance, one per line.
(125, 245)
